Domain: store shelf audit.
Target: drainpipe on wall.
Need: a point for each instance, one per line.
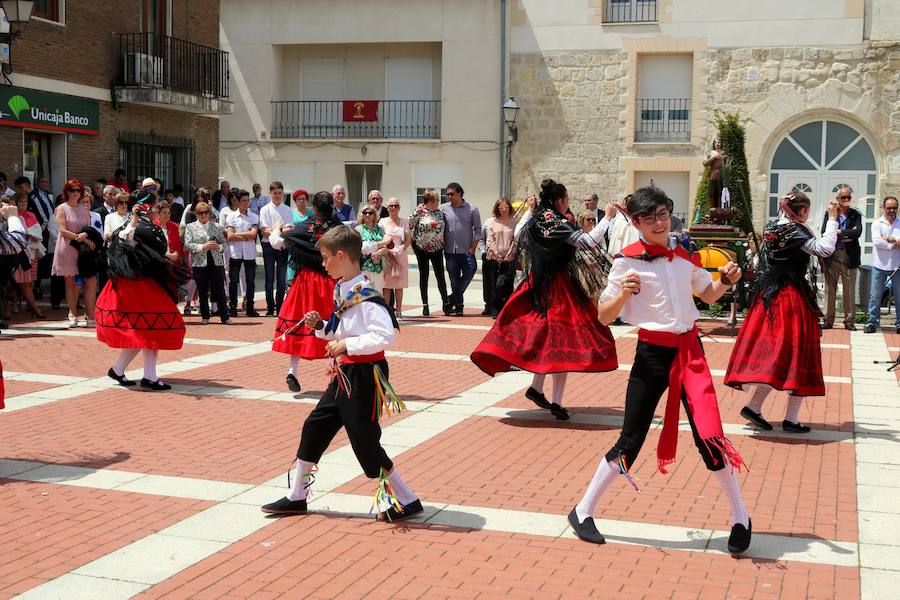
(502, 162)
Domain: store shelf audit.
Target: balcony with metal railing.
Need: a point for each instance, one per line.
(182, 75)
(663, 120)
(630, 11)
(359, 119)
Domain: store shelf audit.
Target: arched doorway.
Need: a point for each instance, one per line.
(817, 158)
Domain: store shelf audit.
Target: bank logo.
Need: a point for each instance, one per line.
(18, 105)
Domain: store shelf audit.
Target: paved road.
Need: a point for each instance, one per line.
(111, 493)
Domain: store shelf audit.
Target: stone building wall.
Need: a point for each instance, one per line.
(573, 109)
(569, 119)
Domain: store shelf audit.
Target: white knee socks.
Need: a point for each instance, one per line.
(792, 413)
(605, 475)
(125, 357)
(295, 365)
(559, 386)
(302, 481)
(404, 493)
(729, 483)
(760, 393)
(150, 358)
(537, 382)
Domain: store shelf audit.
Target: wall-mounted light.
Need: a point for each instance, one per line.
(510, 112)
(18, 14)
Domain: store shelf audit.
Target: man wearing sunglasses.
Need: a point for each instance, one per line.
(844, 262)
(885, 262)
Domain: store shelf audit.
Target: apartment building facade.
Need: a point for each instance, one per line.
(615, 94)
(397, 95)
(143, 83)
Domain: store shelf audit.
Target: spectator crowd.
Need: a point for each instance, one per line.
(216, 236)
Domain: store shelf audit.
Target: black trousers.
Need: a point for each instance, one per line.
(437, 261)
(234, 275)
(211, 279)
(498, 283)
(57, 283)
(335, 410)
(649, 379)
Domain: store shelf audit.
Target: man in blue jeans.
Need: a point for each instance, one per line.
(274, 261)
(462, 231)
(885, 260)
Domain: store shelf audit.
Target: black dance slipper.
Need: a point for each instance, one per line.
(156, 386)
(586, 530)
(537, 397)
(292, 383)
(285, 507)
(559, 412)
(755, 418)
(121, 379)
(739, 540)
(409, 510)
(795, 427)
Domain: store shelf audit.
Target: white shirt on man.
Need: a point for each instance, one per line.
(241, 223)
(112, 222)
(665, 302)
(366, 328)
(886, 256)
(272, 213)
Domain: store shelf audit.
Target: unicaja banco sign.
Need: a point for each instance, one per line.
(21, 107)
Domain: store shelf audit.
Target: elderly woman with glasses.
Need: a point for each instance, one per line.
(136, 311)
(397, 277)
(206, 240)
(373, 263)
(72, 217)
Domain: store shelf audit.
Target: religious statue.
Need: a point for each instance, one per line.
(715, 160)
(720, 209)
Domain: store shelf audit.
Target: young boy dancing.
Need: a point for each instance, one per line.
(653, 280)
(358, 332)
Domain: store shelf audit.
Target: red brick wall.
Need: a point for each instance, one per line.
(82, 51)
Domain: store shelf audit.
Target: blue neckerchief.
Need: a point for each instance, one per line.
(361, 292)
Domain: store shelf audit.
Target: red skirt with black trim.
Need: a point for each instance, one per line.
(138, 313)
(779, 346)
(310, 290)
(568, 338)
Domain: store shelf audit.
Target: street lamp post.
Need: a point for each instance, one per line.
(18, 14)
(510, 112)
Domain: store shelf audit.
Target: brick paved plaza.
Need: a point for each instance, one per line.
(114, 493)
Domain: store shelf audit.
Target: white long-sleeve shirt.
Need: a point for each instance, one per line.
(886, 256)
(578, 237)
(366, 328)
(665, 302)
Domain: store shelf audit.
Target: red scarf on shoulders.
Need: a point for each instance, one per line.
(689, 371)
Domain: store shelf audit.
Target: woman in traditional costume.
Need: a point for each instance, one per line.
(136, 310)
(311, 289)
(778, 344)
(549, 325)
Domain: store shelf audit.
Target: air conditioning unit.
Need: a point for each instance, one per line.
(143, 69)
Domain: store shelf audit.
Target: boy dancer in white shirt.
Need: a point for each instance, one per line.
(653, 280)
(359, 330)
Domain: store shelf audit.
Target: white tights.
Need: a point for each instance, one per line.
(128, 354)
(559, 385)
(761, 393)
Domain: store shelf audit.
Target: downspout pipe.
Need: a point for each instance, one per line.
(503, 91)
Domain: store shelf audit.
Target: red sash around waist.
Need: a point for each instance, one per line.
(348, 359)
(689, 372)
